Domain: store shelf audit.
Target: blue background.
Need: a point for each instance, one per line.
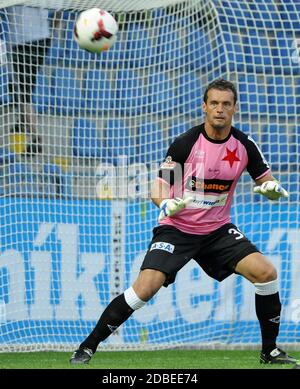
(20, 220)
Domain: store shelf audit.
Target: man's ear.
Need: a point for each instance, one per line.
(204, 107)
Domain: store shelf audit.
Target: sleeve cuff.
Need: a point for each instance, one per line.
(264, 174)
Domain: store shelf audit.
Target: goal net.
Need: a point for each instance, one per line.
(81, 139)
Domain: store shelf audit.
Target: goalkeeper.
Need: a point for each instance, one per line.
(194, 190)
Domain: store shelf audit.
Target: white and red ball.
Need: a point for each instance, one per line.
(95, 30)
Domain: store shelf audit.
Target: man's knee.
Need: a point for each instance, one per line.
(148, 283)
(267, 274)
(256, 268)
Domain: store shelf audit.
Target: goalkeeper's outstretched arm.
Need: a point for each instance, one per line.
(270, 187)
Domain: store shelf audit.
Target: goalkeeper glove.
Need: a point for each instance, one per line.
(170, 207)
(271, 189)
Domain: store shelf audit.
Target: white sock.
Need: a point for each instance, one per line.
(266, 288)
(132, 299)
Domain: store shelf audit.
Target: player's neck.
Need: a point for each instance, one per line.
(216, 133)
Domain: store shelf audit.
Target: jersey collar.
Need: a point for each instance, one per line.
(215, 140)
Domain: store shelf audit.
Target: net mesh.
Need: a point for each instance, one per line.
(81, 137)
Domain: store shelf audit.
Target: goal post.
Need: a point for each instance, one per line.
(81, 138)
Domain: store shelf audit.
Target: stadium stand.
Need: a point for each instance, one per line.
(56, 183)
(42, 92)
(131, 92)
(66, 96)
(161, 94)
(252, 94)
(5, 96)
(98, 91)
(6, 156)
(281, 96)
(86, 139)
(20, 180)
(260, 58)
(140, 51)
(119, 142)
(199, 50)
(188, 91)
(152, 144)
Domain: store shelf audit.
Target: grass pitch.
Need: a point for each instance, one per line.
(162, 359)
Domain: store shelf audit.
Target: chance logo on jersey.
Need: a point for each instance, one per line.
(208, 185)
(163, 246)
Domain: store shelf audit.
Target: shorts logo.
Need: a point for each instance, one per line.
(163, 246)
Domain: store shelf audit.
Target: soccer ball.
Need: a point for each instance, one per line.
(95, 30)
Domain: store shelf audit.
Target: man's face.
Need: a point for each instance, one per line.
(219, 108)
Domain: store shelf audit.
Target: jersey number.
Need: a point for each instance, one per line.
(236, 232)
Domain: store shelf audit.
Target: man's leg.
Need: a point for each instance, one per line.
(118, 311)
(257, 269)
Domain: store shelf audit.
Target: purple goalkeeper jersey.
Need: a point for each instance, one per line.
(208, 170)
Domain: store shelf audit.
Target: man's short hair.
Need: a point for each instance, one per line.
(221, 84)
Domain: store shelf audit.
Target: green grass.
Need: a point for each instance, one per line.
(163, 359)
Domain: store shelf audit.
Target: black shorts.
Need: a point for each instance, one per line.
(217, 252)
